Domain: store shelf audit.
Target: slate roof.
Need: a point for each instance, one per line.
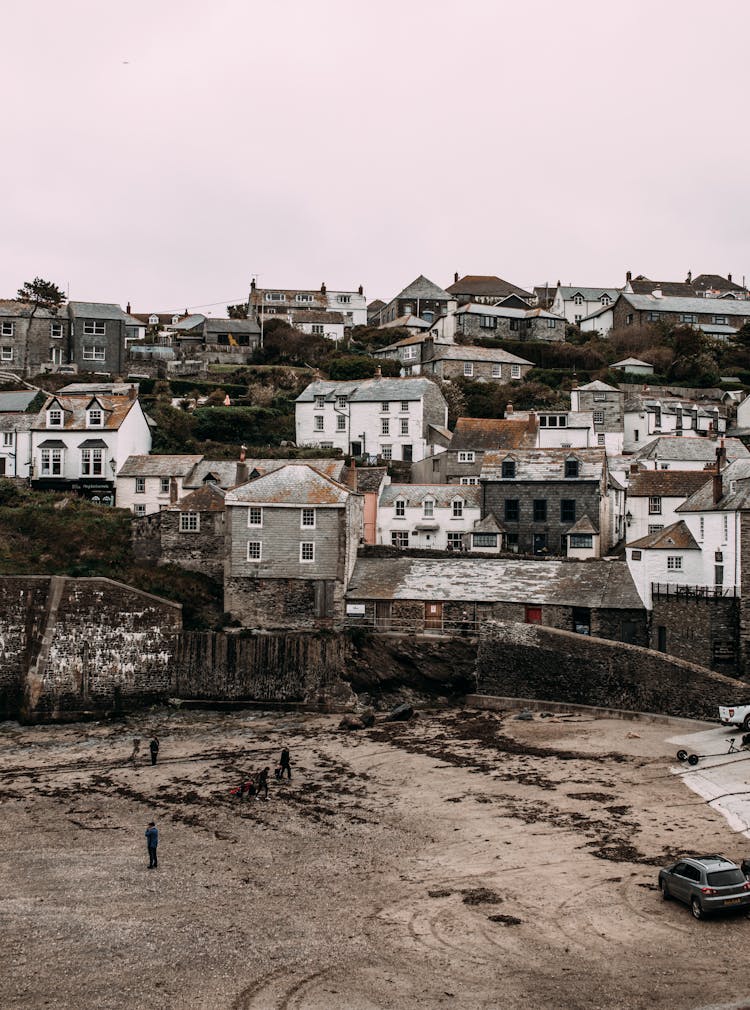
(16, 421)
(96, 310)
(490, 524)
(589, 294)
(486, 285)
(219, 325)
(545, 464)
(666, 483)
(631, 361)
(693, 305)
(367, 390)
(584, 525)
(721, 328)
(505, 312)
(467, 352)
(479, 433)
(674, 537)
(225, 470)
(13, 307)
(597, 386)
(697, 449)
(368, 478)
(415, 338)
(16, 400)
(442, 494)
(423, 287)
(599, 584)
(313, 316)
(291, 484)
(116, 409)
(643, 286)
(188, 323)
(735, 479)
(715, 282)
(159, 466)
(209, 498)
(110, 388)
(410, 321)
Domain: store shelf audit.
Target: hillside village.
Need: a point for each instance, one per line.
(573, 457)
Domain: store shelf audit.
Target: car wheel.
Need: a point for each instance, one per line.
(664, 890)
(693, 759)
(682, 755)
(696, 908)
(746, 723)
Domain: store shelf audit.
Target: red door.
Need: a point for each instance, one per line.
(533, 615)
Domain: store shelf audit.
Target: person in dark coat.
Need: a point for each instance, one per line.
(285, 763)
(152, 840)
(154, 748)
(263, 783)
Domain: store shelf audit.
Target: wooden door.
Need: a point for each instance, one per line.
(383, 615)
(533, 615)
(433, 617)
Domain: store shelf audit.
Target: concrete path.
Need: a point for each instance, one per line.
(721, 778)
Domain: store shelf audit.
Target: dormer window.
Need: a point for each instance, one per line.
(320, 402)
(400, 508)
(508, 469)
(428, 508)
(341, 402)
(153, 320)
(571, 467)
(54, 417)
(605, 299)
(458, 508)
(94, 417)
(578, 299)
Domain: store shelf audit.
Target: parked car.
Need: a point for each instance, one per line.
(735, 715)
(706, 883)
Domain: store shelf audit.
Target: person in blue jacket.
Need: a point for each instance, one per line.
(152, 840)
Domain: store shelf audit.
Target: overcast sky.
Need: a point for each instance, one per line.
(163, 151)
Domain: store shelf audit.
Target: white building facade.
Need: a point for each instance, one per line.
(428, 516)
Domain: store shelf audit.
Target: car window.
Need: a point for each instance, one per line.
(691, 872)
(725, 878)
(679, 869)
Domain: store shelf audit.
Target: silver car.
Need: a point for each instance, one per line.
(706, 883)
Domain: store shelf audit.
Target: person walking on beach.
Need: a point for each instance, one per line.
(154, 748)
(285, 764)
(152, 840)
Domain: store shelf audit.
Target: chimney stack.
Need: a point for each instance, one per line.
(721, 456)
(252, 284)
(455, 278)
(323, 288)
(718, 488)
(508, 409)
(127, 307)
(689, 277)
(172, 490)
(729, 278)
(132, 393)
(628, 277)
(361, 290)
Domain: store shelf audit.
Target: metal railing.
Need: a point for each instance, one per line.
(667, 589)
(468, 628)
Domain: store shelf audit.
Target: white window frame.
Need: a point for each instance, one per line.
(255, 521)
(341, 422)
(497, 371)
(457, 508)
(385, 426)
(428, 508)
(385, 407)
(54, 418)
(399, 509)
(468, 369)
(164, 483)
(303, 298)
(320, 402)
(140, 485)
(305, 515)
(8, 439)
(469, 480)
(654, 505)
(600, 439)
(341, 402)
(139, 511)
(466, 457)
(6, 353)
(404, 425)
(94, 328)
(94, 352)
(386, 451)
(52, 463)
(455, 541)
(598, 417)
(55, 330)
(254, 557)
(318, 422)
(92, 462)
(190, 522)
(91, 418)
(400, 539)
(515, 371)
(674, 562)
(307, 547)
(317, 329)
(7, 328)
(404, 406)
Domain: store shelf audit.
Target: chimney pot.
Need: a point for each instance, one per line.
(718, 488)
(378, 372)
(132, 392)
(729, 278)
(628, 277)
(361, 290)
(127, 307)
(455, 278)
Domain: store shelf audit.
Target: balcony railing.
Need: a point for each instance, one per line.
(667, 589)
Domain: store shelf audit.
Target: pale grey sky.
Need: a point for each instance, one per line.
(162, 151)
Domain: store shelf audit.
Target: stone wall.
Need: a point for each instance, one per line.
(530, 661)
(278, 604)
(585, 493)
(200, 550)
(69, 645)
(145, 537)
(700, 630)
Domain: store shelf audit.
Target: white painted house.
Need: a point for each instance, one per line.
(148, 484)
(79, 442)
(647, 417)
(393, 419)
(672, 452)
(653, 497)
(576, 303)
(428, 516)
